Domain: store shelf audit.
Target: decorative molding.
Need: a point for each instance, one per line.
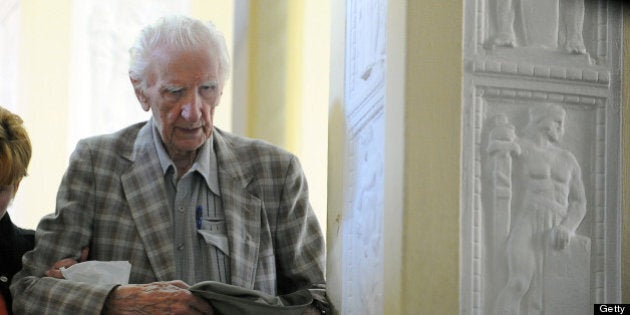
(594, 76)
(365, 53)
(538, 96)
(364, 120)
(362, 226)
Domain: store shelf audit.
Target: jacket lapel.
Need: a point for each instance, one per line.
(144, 189)
(242, 213)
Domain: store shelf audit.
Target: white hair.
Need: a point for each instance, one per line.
(180, 32)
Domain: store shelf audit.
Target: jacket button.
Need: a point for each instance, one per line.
(4, 279)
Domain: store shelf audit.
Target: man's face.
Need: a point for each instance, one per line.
(552, 126)
(183, 89)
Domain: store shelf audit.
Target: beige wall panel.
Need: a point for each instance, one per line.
(43, 102)
(432, 146)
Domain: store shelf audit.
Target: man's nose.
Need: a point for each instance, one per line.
(191, 110)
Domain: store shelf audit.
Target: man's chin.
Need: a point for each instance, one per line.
(189, 144)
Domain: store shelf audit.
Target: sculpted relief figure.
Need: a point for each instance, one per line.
(502, 146)
(550, 207)
(545, 23)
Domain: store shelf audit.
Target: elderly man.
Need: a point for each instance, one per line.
(180, 199)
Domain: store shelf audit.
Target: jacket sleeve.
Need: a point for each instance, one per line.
(58, 236)
(300, 245)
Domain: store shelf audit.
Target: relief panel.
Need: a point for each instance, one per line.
(361, 227)
(540, 157)
(365, 55)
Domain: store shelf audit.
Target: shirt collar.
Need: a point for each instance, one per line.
(205, 163)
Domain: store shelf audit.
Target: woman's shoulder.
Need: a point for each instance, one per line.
(18, 238)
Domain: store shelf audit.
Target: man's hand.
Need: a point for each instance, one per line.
(54, 270)
(171, 297)
(311, 311)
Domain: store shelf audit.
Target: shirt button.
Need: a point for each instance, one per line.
(180, 247)
(181, 209)
(4, 279)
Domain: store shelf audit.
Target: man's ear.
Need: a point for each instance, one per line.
(142, 98)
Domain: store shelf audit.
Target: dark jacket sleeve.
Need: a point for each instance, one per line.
(14, 242)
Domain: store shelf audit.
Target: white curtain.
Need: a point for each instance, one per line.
(9, 52)
(101, 96)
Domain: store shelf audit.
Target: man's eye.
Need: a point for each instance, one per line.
(172, 94)
(208, 90)
(175, 91)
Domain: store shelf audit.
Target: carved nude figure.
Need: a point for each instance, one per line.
(550, 209)
(544, 22)
(572, 16)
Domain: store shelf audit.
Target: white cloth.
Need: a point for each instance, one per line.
(98, 272)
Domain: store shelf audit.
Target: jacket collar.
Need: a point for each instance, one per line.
(144, 189)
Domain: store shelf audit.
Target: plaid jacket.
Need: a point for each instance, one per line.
(112, 199)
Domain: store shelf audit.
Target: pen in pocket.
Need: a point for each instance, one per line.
(199, 217)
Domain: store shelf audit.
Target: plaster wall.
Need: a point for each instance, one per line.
(432, 165)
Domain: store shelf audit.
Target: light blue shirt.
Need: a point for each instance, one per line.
(199, 228)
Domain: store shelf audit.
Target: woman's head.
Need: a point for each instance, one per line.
(15, 154)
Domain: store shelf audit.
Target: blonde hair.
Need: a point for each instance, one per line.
(15, 148)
